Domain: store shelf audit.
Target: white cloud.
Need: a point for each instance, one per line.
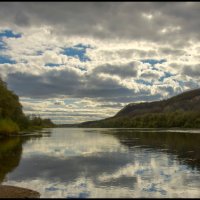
(120, 36)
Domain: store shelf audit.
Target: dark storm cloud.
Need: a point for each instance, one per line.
(58, 83)
(123, 70)
(21, 19)
(170, 51)
(45, 85)
(137, 97)
(191, 70)
(110, 19)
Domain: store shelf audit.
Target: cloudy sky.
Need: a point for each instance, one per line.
(75, 61)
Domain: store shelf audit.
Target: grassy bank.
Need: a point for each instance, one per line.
(8, 127)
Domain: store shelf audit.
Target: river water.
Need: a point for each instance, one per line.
(89, 163)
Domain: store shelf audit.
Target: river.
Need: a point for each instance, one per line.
(91, 162)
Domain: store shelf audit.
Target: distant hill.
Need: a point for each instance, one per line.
(182, 110)
(186, 101)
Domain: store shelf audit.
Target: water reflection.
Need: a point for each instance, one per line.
(108, 163)
(183, 144)
(11, 151)
(10, 154)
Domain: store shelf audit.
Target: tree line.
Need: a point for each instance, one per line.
(180, 119)
(12, 118)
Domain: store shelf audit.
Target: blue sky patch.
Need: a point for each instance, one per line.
(9, 34)
(52, 64)
(77, 51)
(6, 59)
(2, 45)
(154, 61)
(167, 74)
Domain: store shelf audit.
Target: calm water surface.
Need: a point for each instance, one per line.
(86, 163)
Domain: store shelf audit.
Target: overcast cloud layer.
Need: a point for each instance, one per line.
(74, 61)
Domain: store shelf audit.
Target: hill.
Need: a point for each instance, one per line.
(186, 101)
(12, 118)
(182, 110)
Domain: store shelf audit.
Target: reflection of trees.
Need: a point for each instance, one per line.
(10, 154)
(11, 151)
(184, 145)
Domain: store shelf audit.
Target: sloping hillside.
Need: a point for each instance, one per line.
(182, 110)
(186, 101)
(12, 118)
(10, 106)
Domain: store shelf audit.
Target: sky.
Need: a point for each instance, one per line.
(80, 61)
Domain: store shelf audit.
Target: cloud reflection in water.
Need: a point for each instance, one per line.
(84, 163)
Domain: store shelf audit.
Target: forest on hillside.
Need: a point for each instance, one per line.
(12, 118)
(176, 119)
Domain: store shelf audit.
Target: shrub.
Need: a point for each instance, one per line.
(8, 127)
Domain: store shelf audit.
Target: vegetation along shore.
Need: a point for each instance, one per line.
(12, 118)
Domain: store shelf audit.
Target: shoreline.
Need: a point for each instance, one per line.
(7, 191)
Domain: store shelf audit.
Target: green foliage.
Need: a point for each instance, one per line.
(38, 122)
(182, 110)
(8, 127)
(152, 120)
(9, 104)
(12, 118)
(186, 101)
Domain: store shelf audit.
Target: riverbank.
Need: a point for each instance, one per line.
(7, 191)
(10, 128)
